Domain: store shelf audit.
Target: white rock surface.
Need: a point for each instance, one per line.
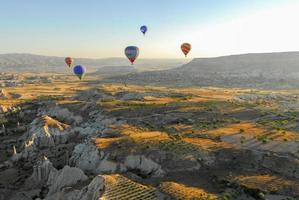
(3, 109)
(94, 190)
(106, 166)
(45, 132)
(57, 181)
(145, 165)
(3, 94)
(86, 157)
(41, 172)
(66, 177)
(63, 114)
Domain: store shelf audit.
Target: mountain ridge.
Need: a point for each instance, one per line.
(25, 62)
(265, 70)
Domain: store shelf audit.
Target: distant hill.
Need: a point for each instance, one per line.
(264, 64)
(38, 63)
(265, 70)
(115, 70)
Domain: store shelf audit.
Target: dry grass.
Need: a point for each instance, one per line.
(34, 91)
(190, 109)
(183, 192)
(199, 93)
(159, 100)
(115, 88)
(212, 93)
(208, 144)
(233, 129)
(138, 134)
(49, 122)
(268, 183)
(285, 136)
(249, 130)
(103, 143)
(133, 134)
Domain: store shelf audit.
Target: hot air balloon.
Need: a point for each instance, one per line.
(68, 61)
(143, 29)
(132, 53)
(186, 47)
(79, 71)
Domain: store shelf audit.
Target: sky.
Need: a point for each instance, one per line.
(103, 28)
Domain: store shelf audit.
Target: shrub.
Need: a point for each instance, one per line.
(107, 99)
(226, 196)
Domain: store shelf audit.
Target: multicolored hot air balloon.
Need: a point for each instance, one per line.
(186, 47)
(132, 53)
(69, 61)
(79, 71)
(143, 29)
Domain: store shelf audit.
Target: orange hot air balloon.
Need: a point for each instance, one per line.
(69, 61)
(186, 47)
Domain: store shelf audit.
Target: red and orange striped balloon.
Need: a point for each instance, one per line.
(186, 47)
(69, 61)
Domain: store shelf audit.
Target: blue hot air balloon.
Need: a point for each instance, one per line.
(79, 71)
(143, 29)
(132, 53)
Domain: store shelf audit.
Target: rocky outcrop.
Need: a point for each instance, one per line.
(128, 96)
(3, 109)
(25, 195)
(94, 190)
(49, 137)
(91, 95)
(55, 181)
(66, 177)
(145, 166)
(284, 165)
(88, 158)
(45, 132)
(63, 114)
(41, 172)
(4, 95)
(132, 96)
(97, 126)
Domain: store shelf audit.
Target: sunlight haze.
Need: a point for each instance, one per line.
(98, 29)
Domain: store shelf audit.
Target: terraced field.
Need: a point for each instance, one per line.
(119, 187)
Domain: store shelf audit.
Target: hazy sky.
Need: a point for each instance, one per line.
(103, 28)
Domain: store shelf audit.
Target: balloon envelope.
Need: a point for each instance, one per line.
(79, 71)
(143, 29)
(186, 47)
(132, 53)
(68, 61)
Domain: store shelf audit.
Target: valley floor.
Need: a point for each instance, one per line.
(88, 140)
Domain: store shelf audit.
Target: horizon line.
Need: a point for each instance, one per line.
(183, 58)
